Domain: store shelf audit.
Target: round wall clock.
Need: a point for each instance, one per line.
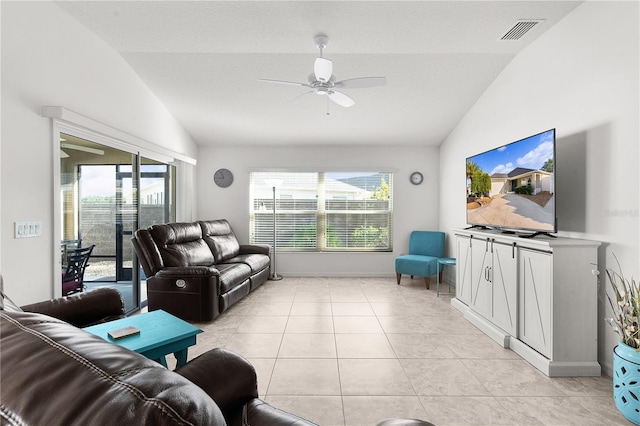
(223, 178)
(416, 178)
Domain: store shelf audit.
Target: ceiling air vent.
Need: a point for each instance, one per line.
(520, 28)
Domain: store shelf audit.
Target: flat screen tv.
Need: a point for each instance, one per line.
(512, 187)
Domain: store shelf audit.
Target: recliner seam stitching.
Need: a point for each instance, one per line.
(134, 391)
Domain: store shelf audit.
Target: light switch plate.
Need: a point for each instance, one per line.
(28, 229)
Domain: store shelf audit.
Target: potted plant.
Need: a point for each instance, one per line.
(626, 355)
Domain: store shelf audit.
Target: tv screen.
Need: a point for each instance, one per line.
(512, 187)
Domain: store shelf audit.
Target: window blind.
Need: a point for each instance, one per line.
(322, 211)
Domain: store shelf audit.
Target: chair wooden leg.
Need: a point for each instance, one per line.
(427, 281)
(398, 278)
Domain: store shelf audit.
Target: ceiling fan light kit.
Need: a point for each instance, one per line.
(322, 81)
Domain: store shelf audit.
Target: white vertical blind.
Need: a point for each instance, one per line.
(323, 211)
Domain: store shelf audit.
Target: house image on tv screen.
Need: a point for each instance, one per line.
(538, 180)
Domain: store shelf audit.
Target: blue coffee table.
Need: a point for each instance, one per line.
(160, 334)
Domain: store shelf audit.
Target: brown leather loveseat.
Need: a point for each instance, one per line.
(53, 373)
(198, 270)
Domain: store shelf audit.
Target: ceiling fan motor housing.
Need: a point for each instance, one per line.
(321, 41)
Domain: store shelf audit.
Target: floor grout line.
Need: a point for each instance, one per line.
(437, 398)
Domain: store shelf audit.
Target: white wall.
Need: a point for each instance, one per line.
(50, 59)
(581, 77)
(415, 207)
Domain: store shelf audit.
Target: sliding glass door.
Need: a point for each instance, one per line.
(106, 194)
(157, 200)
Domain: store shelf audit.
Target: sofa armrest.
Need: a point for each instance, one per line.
(258, 412)
(188, 292)
(83, 309)
(228, 378)
(255, 249)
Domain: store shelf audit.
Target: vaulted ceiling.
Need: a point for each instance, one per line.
(203, 60)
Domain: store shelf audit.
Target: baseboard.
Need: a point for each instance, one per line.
(496, 334)
(554, 368)
(325, 274)
(539, 361)
(458, 305)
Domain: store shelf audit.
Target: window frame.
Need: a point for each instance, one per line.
(370, 239)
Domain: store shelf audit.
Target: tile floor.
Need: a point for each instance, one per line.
(353, 351)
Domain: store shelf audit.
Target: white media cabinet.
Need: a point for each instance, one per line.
(537, 296)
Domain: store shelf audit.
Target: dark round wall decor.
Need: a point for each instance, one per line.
(223, 178)
(416, 178)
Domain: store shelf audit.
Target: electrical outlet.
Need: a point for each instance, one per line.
(28, 229)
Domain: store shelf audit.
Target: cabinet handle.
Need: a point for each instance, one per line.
(490, 275)
(486, 245)
(492, 241)
(513, 251)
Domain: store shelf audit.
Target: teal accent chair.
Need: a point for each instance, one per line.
(425, 248)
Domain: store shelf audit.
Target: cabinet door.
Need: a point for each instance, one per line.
(504, 287)
(463, 269)
(535, 280)
(480, 277)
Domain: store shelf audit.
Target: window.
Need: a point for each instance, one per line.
(322, 211)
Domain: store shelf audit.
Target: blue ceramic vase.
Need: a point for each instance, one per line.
(626, 381)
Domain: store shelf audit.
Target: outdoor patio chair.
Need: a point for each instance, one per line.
(73, 278)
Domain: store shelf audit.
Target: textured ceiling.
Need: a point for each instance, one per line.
(203, 60)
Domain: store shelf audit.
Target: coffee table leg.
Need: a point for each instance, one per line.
(181, 357)
(163, 361)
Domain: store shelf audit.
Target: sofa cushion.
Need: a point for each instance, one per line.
(232, 275)
(192, 253)
(257, 262)
(181, 244)
(55, 373)
(148, 253)
(220, 238)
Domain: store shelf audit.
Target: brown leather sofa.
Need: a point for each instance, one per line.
(53, 373)
(198, 270)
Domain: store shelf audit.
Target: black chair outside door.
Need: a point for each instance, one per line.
(76, 263)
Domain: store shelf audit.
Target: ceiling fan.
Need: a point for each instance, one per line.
(322, 81)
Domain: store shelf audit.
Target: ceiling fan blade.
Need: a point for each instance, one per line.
(291, 83)
(297, 98)
(341, 99)
(323, 68)
(361, 82)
